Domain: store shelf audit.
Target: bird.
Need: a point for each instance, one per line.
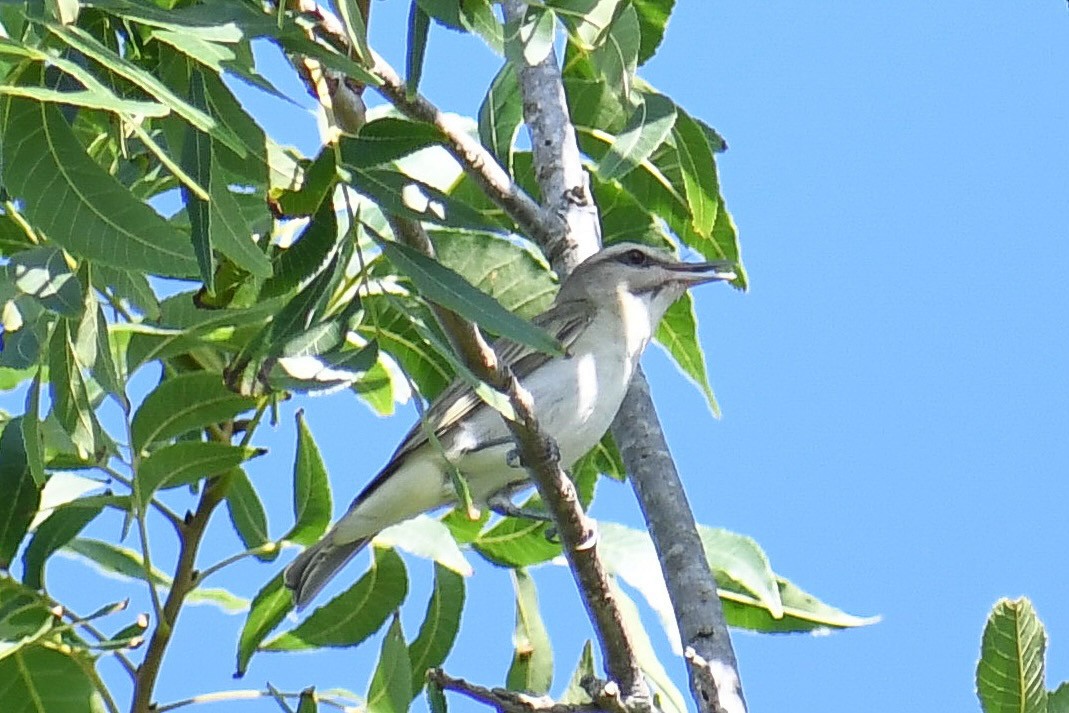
(604, 315)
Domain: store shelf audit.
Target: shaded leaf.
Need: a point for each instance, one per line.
(21, 496)
(71, 402)
(28, 679)
(426, 537)
(532, 659)
(439, 628)
(390, 690)
(648, 126)
(501, 114)
(318, 180)
(652, 21)
(386, 139)
(32, 441)
(184, 403)
(80, 206)
(197, 163)
(445, 287)
(1011, 673)
(418, 27)
(57, 530)
(312, 506)
(616, 57)
(530, 41)
(187, 462)
(247, 513)
(229, 232)
(699, 172)
(356, 613)
(678, 334)
(402, 195)
(575, 694)
(43, 274)
(516, 541)
(269, 607)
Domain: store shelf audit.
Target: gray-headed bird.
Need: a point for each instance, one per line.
(604, 315)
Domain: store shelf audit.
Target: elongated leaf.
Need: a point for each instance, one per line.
(43, 274)
(124, 562)
(699, 172)
(356, 613)
(269, 607)
(418, 26)
(187, 462)
(390, 690)
(183, 403)
(247, 513)
(445, 287)
(520, 280)
(28, 679)
(1058, 699)
(501, 114)
(426, 537)
(1011, 673)
(531, 40)
(678, 334)
(94, 328)
(652, 20)
(24, 617)
(312, 506)
(672, 700)
(84, 42)
(391, 322)
(311, 252)
(616, 58)
(71, 403)
(802, 611)
(439, 628)
(575, 694)
(532, 661)
(80, 206)
(21, 496)
(197, 163)
(57, 530)
(406, 196)
(318, 181)
(387, 139)
(32, 440)
(649, 125)
(131, 288)
(518, 542)
(88, 98)
(356, 28)
(230, 234)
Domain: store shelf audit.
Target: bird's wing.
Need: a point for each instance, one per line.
(566, 321)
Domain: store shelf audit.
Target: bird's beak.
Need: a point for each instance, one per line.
(696, 273)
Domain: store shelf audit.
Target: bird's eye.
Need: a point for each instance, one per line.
(636, 258)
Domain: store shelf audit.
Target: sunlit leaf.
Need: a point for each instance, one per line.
(530, 41)
(426, 537)
(247, 513)
(1011, 673)
(269, 607)
(678, 334)
(187, 462)
(356, 613)
(43, 274)
(312, 507)
(57, 530)
(183, 403)
(390, 690)
(28, 679)
(616, 57)
(699, 172)
(387, 139)
(672, 700)
(440, 625)
(532, 658)
(650, 123)
(501, 114)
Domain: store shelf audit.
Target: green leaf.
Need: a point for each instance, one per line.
(356, 613)
(678, 334)
(356, 28)
(418, 27)
(71, 403)
(43, 274)
(436, 698)
(514, 276)
(269, 607)
(429, 538)
(80, 206)
(440, 626)
(387, 139)
(115, 560)
(85, 43)
(328, 371)
(58, 529)
(517, 542)
(28, 678)
(646, 129)
(21, 496)
(313, 248)
(32, 440)
(25, 617)
(229, 232)
(445, 287)
(531, 669)
(197, 163)
(802, 612)
(317, 182)
(501, 114)
(616, 57)
(699, 172)
(1058, 699)
(25, 329)
(90, 98)
(130, 287)
(391, 322)
(652, 21)
(247, 513)
(402, 195)
(1011, 673)
(312, 506)
(390, 689)
(672, 700)
(187, 462)
(184, 403)
(93, 332)
(530, 41)
(575, 694)
(307, 702)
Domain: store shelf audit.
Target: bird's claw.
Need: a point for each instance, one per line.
(513, 459)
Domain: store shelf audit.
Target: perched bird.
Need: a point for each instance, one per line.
(605, 314)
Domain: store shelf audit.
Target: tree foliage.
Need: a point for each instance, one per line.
(148, 225)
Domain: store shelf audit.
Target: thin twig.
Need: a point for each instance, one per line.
(170, 515)
(503, 699)
(247, 694)
(263, 549)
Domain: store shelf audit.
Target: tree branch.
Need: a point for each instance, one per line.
(715, 684)
(503, 699)
(714, 678)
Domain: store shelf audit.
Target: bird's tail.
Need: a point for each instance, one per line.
(317, 565)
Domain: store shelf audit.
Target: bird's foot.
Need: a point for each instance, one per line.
(513, 459)
(502, 504)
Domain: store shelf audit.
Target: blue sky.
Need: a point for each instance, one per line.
(894, 387)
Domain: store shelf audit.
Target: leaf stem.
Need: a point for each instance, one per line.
(263, 549)
(248, 694)
(171, 516)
